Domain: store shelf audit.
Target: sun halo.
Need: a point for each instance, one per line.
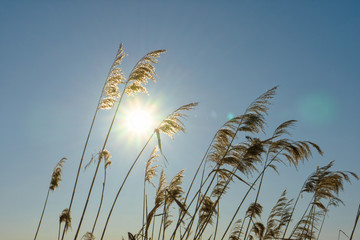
(139, 121)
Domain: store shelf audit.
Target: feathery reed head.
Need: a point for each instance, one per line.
(111, 91)
(258, 229)
(159, 199)
(326, 183)
(143, 71)
(236, 231)
(56, 175)
(294, 151)
(222, 183)
(255, 210)
(207, 211)
(150, 171)
(65, 217)
(160, 192)
(131, 236)
(172, 123)
(88, 236)
(279, 216)
(174, 189)
(253, 119)
(104, 155)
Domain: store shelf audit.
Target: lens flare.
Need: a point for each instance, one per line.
(317, 108)
(139, 121)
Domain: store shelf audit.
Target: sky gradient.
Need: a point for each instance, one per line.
(55, 56)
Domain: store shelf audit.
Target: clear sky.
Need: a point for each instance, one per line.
(54, 58)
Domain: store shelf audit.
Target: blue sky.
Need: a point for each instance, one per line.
(54, 57)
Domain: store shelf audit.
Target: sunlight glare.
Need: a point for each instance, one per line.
(139, 121)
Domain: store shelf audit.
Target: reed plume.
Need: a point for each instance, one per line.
(104, 155)
(65, 217)
(150, 173)
(278, 218)
(54, 183)
(136, 82)
(323, 184)
(258, 229)
(114, 76)
(236, 230)
(207, 211)
(150, 170)
(170, 125)
(229, 158)
(88, 236)
(254, 209)
(143, 71)
(293, 151)
(175, 189)
(111, 93)
(174, 193)
(56, 175)
(252, 121)
(159, 200)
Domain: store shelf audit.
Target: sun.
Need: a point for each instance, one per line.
(139, 120)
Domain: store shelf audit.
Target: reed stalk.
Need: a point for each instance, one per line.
(170, 126)
(118, 57)
(356, 221)
(42, 214)
(97, 166)
(142, 71)
(54, 183)
(253, 119)
(106, 163)
(122, 185)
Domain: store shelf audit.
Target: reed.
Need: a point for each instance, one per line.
(240, 152)
(54, 183)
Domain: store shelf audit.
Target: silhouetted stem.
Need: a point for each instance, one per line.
(123, 183)
(251, 187)
(42, 214)
(84, 149)
(161, 223)
(163, 237)
(87, 200)
(59, 230)
(198, 192)
(143, 217)
(101, 200)
(258, 192)
(356, 221)
(212, 180)
(312, 221)
(192, 182)
(343, 233)
(242, 225)
(202, 229)
(217, 221)
(237, 210)
(152, 232)
(302, 217)
(97, 167)
(322, 223)
(292, 212)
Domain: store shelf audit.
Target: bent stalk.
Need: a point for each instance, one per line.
(122, 185)
(42, 214)
(89, 133)
(98, 164)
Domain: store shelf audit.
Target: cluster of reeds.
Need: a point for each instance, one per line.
(235, 154)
